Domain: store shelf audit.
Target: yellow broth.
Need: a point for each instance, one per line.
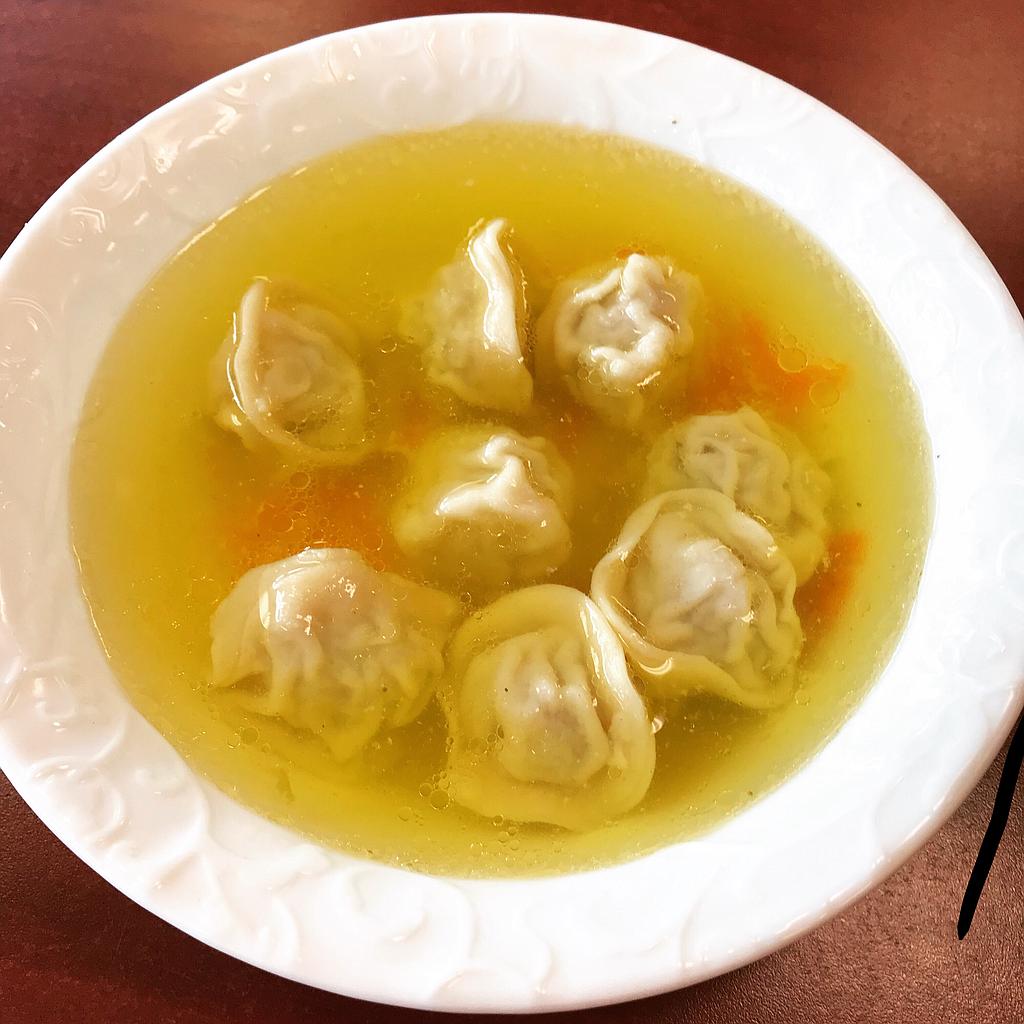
(168, 510)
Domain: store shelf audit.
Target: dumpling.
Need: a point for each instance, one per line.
(331, 645)
(765, 470)
(546, 725)
(619, 336)
(470, 325)
(287, 377)
(485, 508)
(702, 598)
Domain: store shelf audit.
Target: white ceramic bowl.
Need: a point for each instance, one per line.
(116, 793)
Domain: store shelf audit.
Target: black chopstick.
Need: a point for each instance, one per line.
(994, 832)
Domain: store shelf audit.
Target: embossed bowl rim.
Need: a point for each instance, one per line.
(111, 788)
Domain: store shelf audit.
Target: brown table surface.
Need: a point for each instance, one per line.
(941, 84)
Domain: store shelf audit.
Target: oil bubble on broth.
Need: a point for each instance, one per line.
(661, 330)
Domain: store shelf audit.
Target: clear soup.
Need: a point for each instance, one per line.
(168, 510)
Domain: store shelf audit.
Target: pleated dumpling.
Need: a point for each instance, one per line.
(702, 598)
(470, 325)
(545, 722)
(287, 378)
(619, 336)
(764, 469)
(330, 645)
(484, 508)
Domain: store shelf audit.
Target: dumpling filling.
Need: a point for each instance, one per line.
(546, 724)
(702, 598)
(691, 591)
(550, 728)
(331, 645)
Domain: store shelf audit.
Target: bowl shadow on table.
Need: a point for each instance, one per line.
(87, 954)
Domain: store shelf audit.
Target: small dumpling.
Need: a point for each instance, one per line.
(470, 325)
(286, 377)
(764, 469)
(702, 598)
(545, 722)
(330, 645)
(620, 336)
(485, 508)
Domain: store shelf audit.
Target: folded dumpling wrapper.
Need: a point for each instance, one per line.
(544, 720)
(619, 336)
(471, 324)
(764, 468)
(287, 378)
(702, 598)
(331, 645)
(486, 508)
